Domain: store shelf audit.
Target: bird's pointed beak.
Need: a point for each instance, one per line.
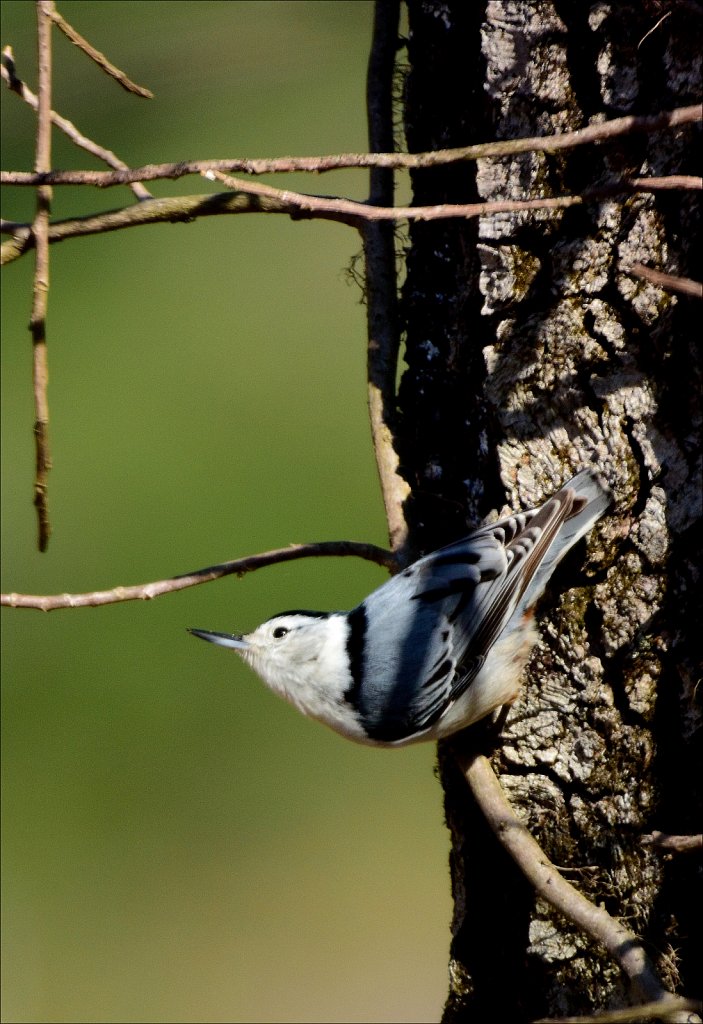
(234, 640)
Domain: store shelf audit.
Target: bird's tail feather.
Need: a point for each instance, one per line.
(590, 500)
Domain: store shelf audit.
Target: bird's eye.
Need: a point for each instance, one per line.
(279, 631)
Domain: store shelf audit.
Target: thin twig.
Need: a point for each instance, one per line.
(16, 85)
(296, 204)
(671, 1008)
(670, 282)
(595, 133)
(622, 944)
(40, 294)
(99, 58)
(654, 28)
(380, 277)
(239, 566)
(254, 197)
(258, 198)
(171, 209)
(673, 844)
(670, 181)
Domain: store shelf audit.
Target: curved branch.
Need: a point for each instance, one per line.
(172, 209)
(253, 197)
(239, 566)
(594, 133)
(596, 922)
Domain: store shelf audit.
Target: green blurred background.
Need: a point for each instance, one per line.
(179, 845)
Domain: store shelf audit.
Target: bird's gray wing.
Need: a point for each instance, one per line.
(418, 641)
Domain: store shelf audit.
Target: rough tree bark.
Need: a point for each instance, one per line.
(531, 353)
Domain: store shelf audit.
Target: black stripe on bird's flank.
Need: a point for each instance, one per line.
(381, 721)
(356, 641)
(386, 731)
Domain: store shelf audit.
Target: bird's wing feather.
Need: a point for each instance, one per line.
(432, 626)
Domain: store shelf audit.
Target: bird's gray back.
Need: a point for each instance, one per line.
(418, 641)
(407, 639)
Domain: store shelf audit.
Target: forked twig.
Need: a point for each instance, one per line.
(21, 89)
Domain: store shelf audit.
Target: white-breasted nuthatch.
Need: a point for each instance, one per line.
(438, 646)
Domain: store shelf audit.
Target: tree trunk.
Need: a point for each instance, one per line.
(531, 352)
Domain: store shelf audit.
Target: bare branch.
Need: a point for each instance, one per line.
(238, 567)
(257, 198)
(688, 182)
(99, 58)
(16, 85)
(675, 1009)
(254, 197)
(670, 282)
(174, 209)
(380, 278)
(40, 295)
(596, 133)
(673, 844)
(296, 204)
(622, 944)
